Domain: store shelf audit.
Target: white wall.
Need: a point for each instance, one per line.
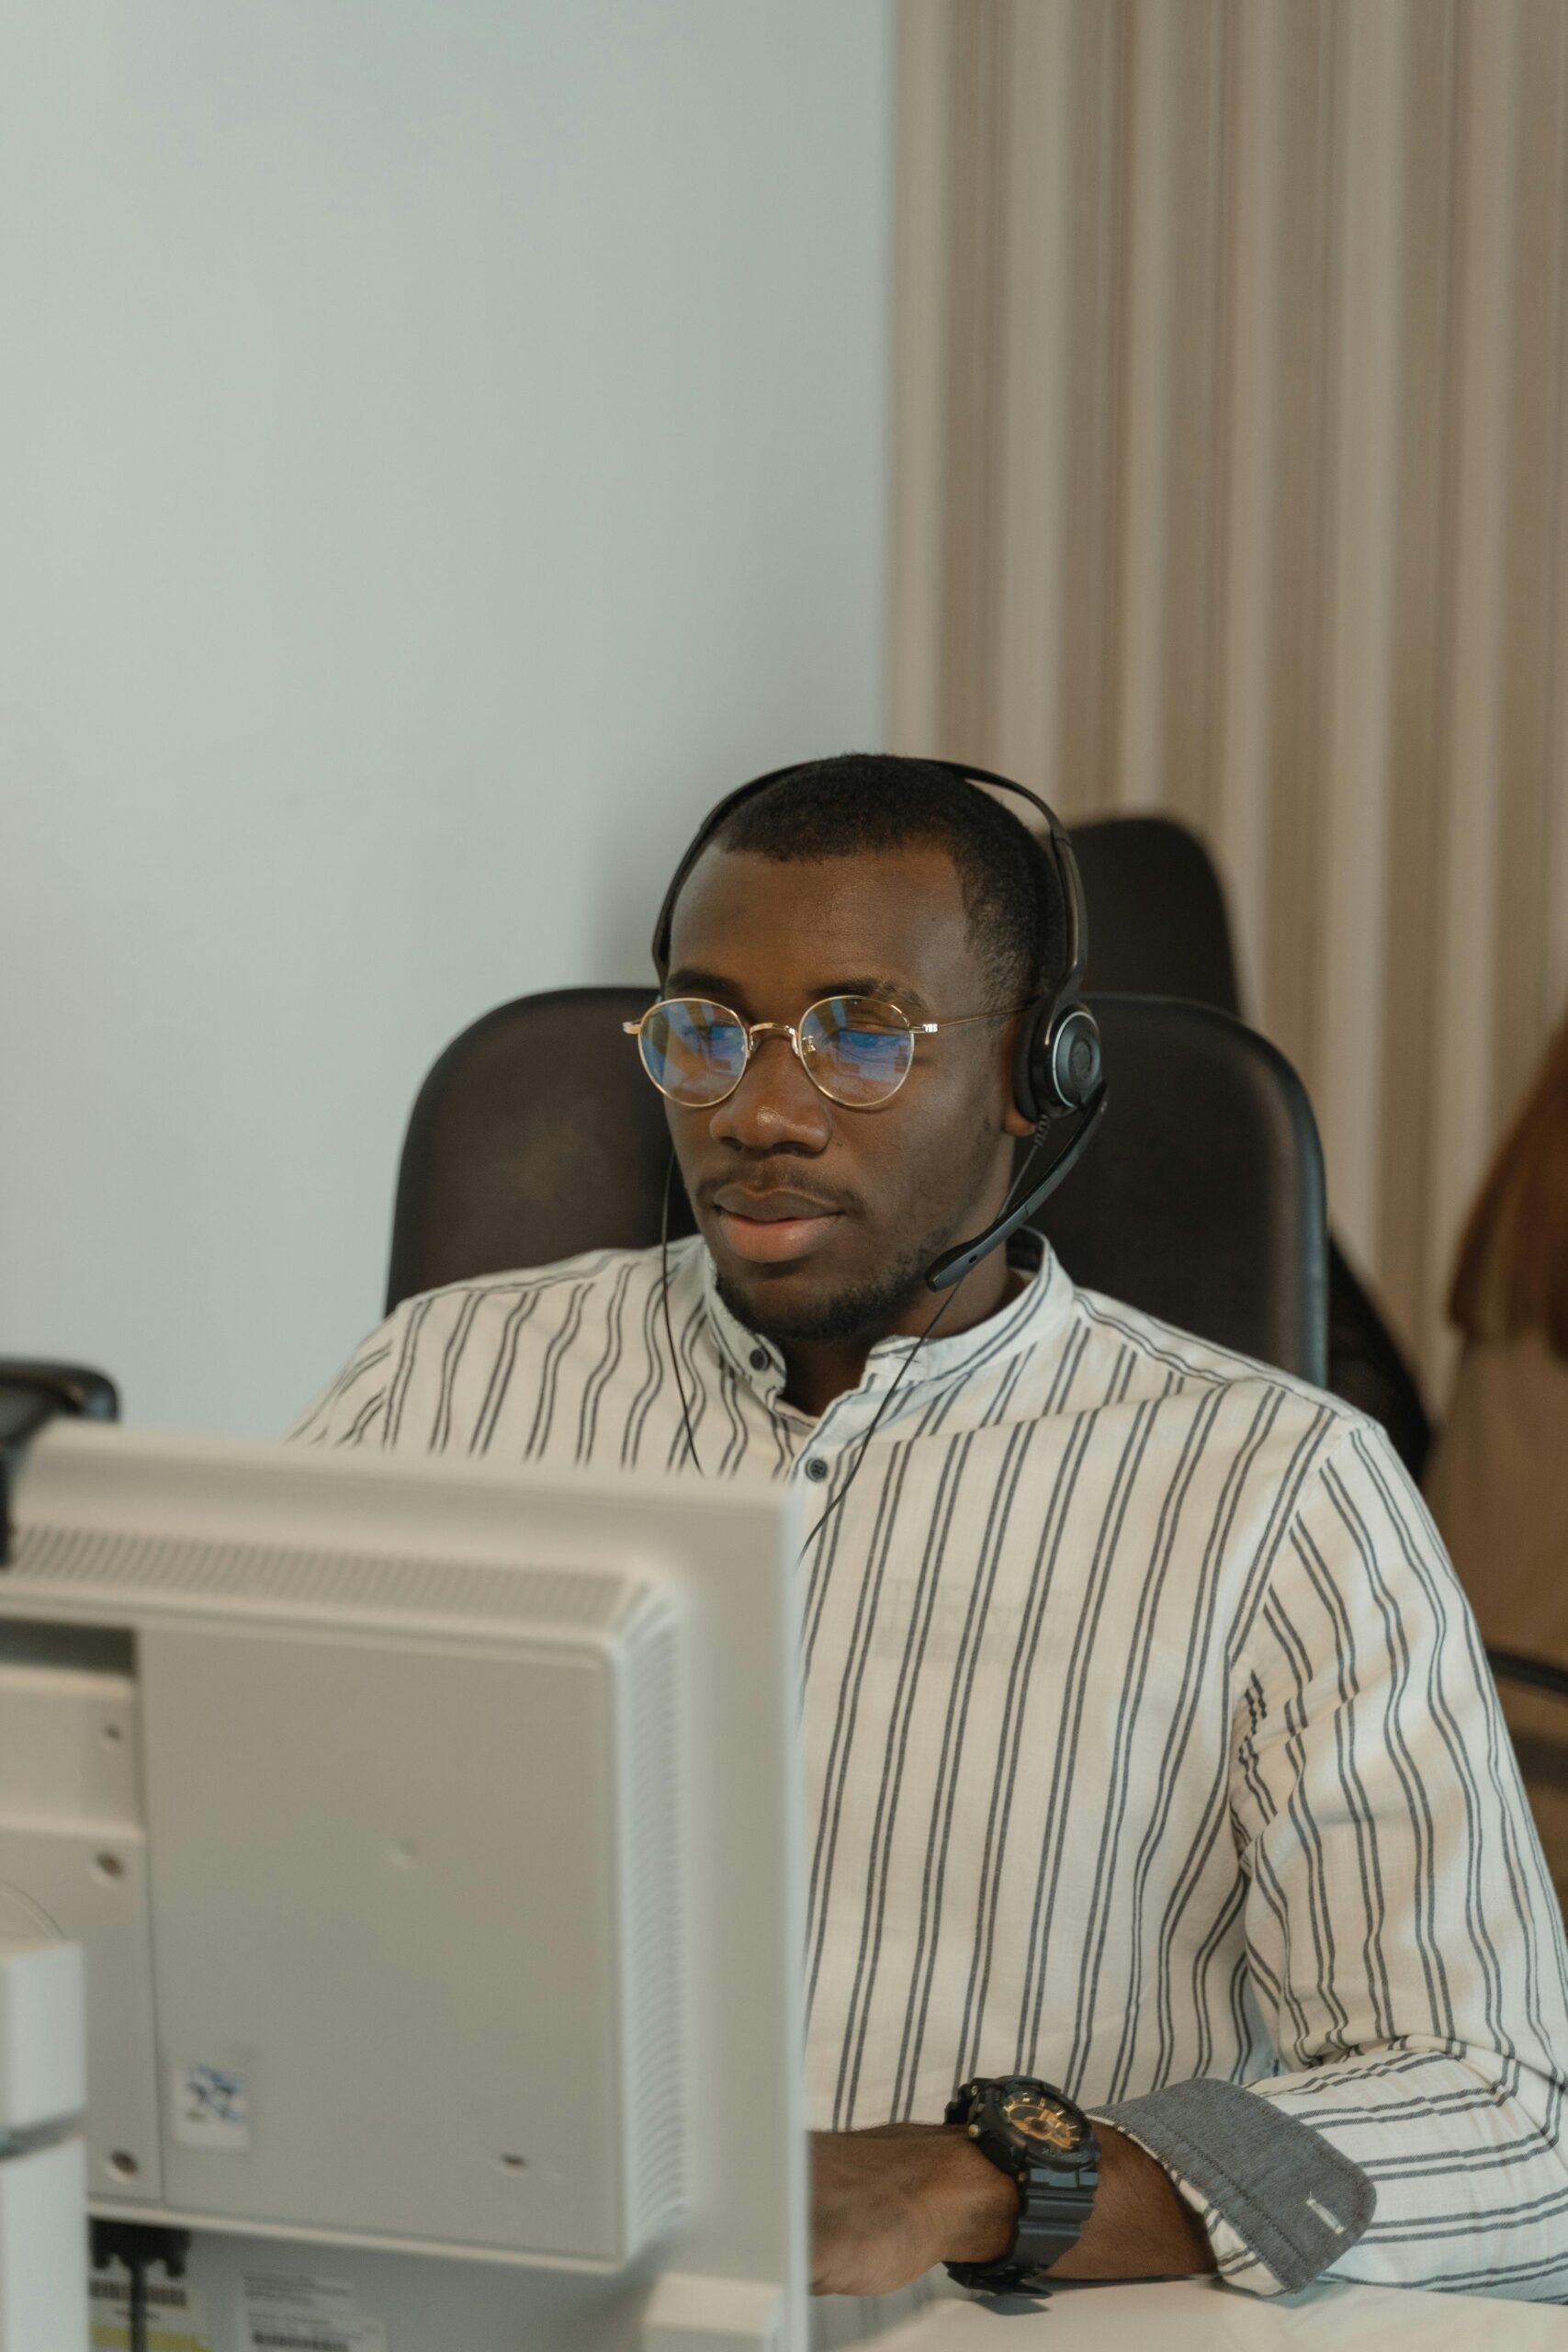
(442, 447)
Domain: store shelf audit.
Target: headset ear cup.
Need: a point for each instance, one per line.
(1075, 1058)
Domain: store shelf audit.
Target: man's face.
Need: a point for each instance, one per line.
(822, 1220)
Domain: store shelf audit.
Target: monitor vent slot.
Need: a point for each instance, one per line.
(654, 1954)
(168, 1568)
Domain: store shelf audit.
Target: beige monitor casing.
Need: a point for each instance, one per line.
(433, 1837)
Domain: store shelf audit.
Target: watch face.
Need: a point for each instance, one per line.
(1041, 2120)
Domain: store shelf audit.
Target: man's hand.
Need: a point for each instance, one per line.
(890, 2203)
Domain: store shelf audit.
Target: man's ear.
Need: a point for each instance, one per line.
(1014, 1123)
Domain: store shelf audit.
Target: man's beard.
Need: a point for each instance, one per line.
(866, 1311)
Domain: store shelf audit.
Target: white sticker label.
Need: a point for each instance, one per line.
(211, 2106)
(176, 2314)
(286, 2311)
(293, 2294)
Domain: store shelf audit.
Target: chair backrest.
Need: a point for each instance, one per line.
(536, 1136)
(1159, 926)
(1157, 919)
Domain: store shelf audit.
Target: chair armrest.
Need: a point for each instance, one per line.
(1517, 1665)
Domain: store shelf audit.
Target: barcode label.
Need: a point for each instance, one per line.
(292, 2342)
(311, 2332)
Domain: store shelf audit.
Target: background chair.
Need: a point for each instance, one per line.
(1158, 927)
(536, 1136)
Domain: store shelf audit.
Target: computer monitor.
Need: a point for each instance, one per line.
(433, 1836)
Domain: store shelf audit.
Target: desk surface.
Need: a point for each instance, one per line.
(1200, 2315)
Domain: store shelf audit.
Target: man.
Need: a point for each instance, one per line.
(1151, 1750)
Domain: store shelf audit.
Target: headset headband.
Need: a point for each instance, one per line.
(1061, 850)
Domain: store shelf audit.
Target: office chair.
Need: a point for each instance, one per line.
(1159, 928)
(536, 1136)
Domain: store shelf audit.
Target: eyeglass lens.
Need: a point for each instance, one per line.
(693, 1050)
(856, 1051)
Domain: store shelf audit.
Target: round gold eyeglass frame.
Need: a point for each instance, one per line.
(753, 1030)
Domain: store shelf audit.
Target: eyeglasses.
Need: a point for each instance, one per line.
(857, 1050)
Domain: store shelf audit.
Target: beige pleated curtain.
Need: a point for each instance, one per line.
(1231, 478)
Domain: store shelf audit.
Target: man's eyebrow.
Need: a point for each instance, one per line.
(899, 992)
(687, 979)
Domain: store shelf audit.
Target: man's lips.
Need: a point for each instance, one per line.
(767, 1228)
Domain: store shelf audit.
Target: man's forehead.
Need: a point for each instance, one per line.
(898, 914)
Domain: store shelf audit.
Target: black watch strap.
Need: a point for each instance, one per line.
(1054, 2167)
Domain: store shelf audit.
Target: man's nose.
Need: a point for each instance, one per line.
(775, 1103)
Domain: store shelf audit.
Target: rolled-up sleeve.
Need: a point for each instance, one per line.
(1402, 1937)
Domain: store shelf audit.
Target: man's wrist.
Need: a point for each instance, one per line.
(1140, 2226)
(979, 2202)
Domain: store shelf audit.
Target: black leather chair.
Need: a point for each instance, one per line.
(1158, 927)
(536, 1135)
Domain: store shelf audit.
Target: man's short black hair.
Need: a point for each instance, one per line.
(866, 802)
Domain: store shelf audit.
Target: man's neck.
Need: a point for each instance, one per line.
(816, 1371)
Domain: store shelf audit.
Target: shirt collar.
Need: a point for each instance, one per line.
(1033, 1316)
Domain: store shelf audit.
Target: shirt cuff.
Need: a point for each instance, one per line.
(1279, 2202)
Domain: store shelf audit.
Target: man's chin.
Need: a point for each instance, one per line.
(793, 1305)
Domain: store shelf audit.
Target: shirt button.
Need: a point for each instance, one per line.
(760, 1360)
(817, 1468)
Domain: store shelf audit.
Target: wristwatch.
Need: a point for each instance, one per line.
(1046, 2147)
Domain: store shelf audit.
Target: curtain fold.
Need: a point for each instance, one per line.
(1231, 478)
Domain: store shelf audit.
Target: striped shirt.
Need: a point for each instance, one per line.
(1151, 1748)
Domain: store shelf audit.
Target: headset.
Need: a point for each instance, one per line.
(1057, 1068)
